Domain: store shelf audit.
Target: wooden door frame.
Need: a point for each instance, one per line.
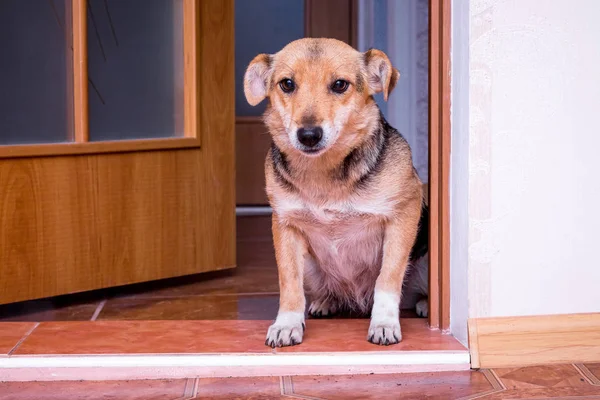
(439, 163)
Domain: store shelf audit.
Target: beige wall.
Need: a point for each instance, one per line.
(532, 144)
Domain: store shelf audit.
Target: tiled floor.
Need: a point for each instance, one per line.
(249, 292)
(202, 337)
(575, 382)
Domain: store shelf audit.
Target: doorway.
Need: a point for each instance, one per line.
(203, 213)
(415, 36)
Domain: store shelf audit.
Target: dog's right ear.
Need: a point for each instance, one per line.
(257, 79)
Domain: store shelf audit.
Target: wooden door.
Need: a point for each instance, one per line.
(116, 143)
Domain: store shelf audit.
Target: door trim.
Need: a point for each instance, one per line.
(439, 163)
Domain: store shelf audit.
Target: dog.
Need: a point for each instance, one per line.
(349, 215)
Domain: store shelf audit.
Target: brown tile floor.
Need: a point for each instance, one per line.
(145, 337)
(548, 382)
(248, 292)
(77, 338)
(11, 334)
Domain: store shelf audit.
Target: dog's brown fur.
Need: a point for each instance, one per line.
(344, 220)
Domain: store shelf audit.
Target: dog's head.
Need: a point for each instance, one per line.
(320, 93)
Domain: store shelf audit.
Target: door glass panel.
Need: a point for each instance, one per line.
(135, 69)
(262, 26)
(35, 72)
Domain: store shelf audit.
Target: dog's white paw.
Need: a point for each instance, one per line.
(322, 308)
(385, 319)
(422, 308)
(287, 330)
(385, 332)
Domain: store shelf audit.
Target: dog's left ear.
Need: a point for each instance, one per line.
(381, 75)
(257, 79)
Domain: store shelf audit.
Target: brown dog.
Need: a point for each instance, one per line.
(346, 198)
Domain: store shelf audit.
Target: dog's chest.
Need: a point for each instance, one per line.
(345, 238)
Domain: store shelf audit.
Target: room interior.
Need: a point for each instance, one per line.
(124, 293)
(135, 238)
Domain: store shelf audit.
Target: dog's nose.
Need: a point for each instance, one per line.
(310, 136)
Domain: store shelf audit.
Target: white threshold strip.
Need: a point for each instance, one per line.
(167, 366)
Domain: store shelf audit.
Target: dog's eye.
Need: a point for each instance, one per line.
(287, 85)
(340, 86)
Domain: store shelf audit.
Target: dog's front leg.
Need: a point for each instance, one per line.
(385, 315)
(290, 252)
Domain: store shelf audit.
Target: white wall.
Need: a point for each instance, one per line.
(533, 158)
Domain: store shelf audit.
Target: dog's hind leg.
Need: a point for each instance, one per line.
(422, 308)
(416, 290)
(323, 307)
(323, 304)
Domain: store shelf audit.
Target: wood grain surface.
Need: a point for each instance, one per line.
(75, 223)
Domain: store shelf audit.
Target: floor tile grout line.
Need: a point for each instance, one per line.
(587, 374)
(494, 380)
(497, 379)
(185, 395)
(282, 386)
(482, 395)
(190, 389)
(287, 389)
(196, 387)
(16, 346)
(583, 373)
(290, 384)
(98, 310)
(134, 297)
(494, 390)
